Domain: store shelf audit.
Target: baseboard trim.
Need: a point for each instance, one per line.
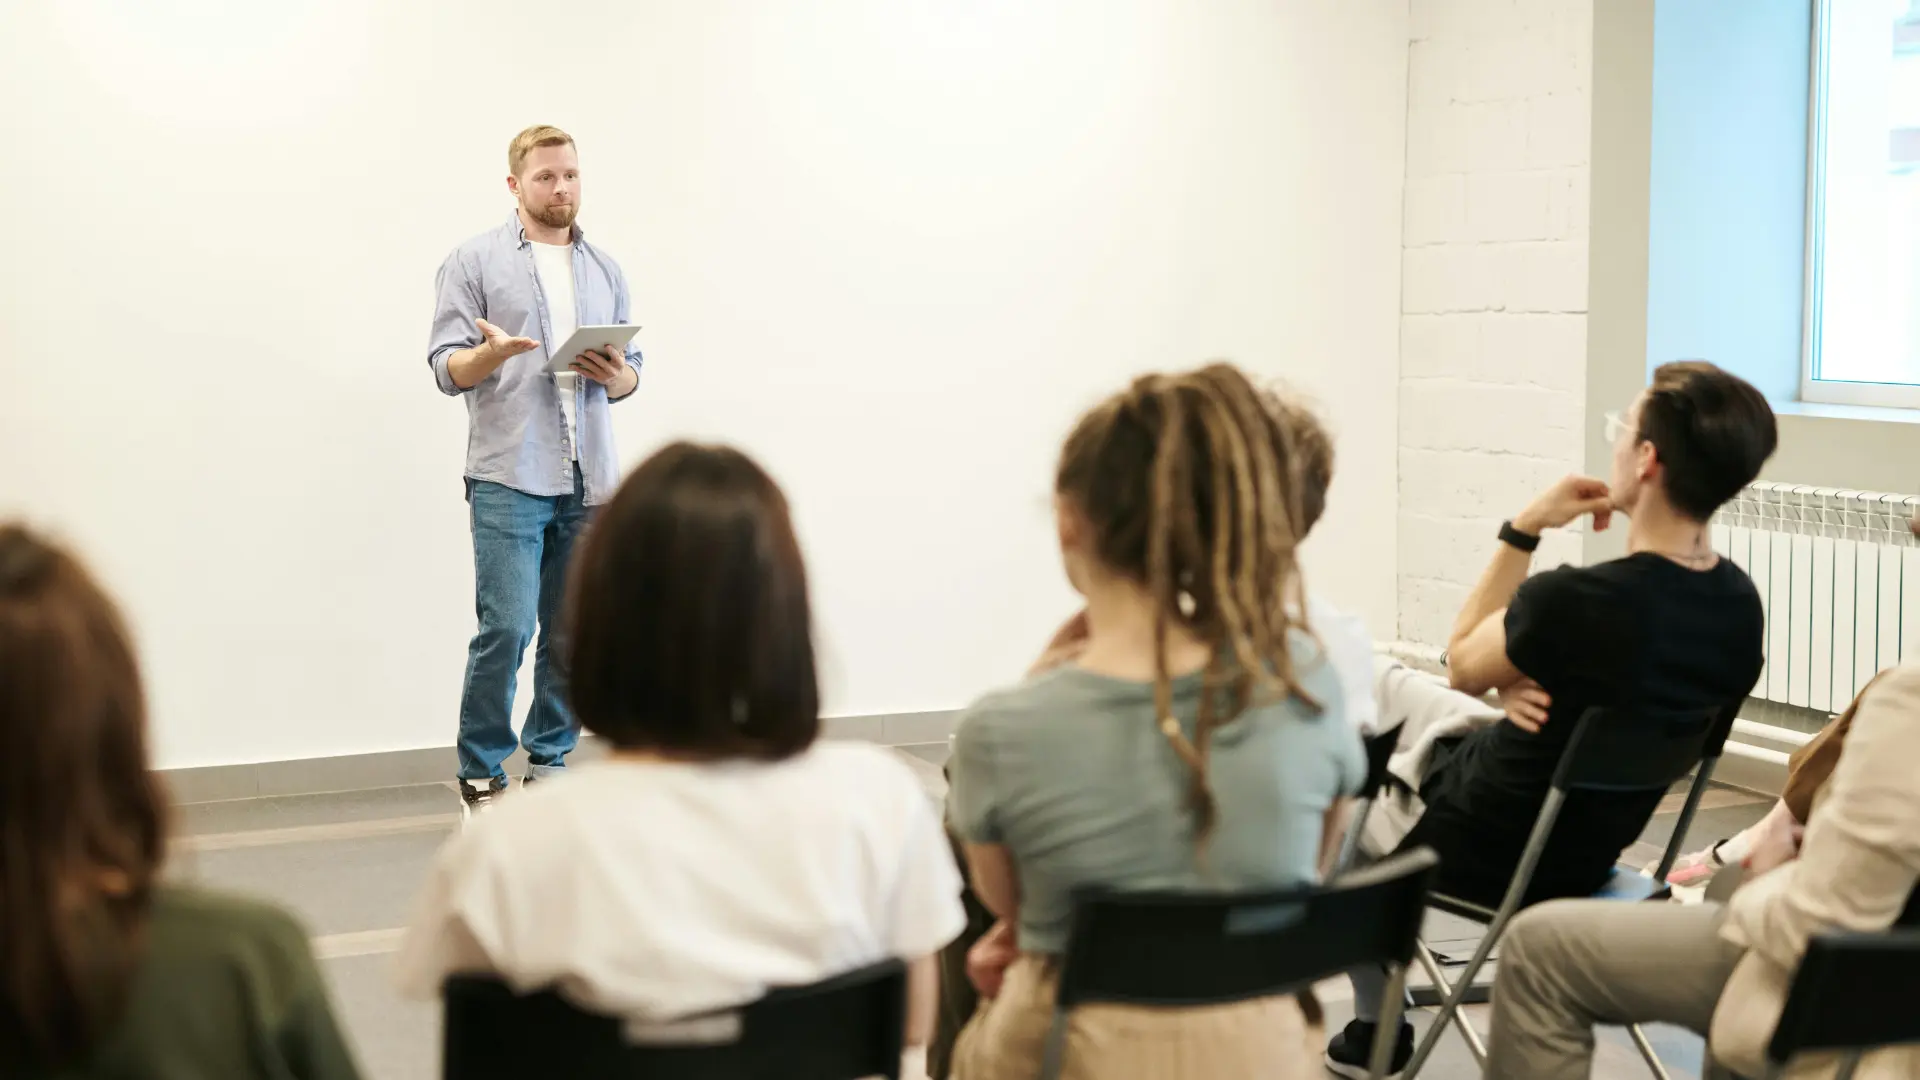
(435, 764)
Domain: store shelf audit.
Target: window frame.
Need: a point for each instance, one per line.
(1813, 390)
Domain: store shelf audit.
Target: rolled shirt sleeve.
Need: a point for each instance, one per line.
(457, 304)
(623, 315)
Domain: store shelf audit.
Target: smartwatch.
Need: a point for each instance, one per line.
(1518, 540)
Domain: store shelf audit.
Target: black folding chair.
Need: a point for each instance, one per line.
(1192, 949)
(1612, 752)
(1380, 747)
(850, 1026)
(1853, 993)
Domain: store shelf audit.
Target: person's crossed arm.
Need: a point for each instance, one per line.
(1477, 659)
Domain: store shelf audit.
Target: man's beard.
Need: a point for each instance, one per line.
(556, 217)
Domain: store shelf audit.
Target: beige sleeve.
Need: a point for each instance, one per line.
(1861, 853)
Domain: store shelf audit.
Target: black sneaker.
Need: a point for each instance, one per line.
(1349, 1052)
(474, 797)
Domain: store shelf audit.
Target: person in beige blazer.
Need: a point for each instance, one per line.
(1723, 971)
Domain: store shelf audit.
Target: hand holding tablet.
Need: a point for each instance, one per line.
(592, 341)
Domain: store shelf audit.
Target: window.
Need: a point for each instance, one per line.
(1863, 209)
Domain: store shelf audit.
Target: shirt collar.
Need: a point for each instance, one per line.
(519, 229)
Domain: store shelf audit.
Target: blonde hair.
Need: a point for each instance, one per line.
(1191, 484)
(524, 143)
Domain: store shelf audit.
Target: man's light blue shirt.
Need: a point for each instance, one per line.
(516, 430)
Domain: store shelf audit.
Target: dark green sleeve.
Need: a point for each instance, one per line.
(310, 1038)
(304, 1033)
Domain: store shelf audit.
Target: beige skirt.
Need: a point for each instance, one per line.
(1270, 1038)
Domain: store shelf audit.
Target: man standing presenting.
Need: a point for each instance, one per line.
(539, 446)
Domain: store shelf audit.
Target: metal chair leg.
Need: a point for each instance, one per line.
(1387, 1032)
(1450, 1008)
(1475, 1044)
(1350, 843)
(1053, 1056)
(1646, 1052)
(1431, 965)
(1676, 843)
(1456, 992)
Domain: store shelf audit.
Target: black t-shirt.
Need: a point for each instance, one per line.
(1642, 630)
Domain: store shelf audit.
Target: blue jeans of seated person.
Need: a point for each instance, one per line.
(521, 545)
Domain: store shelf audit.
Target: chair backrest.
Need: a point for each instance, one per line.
(850, 1026)
(1623, 750)
(1380, 747)
(1173, 949)
(1852, 992)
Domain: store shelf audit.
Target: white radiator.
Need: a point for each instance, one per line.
(1839, 573)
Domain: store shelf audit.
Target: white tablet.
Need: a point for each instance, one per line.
(587, 337)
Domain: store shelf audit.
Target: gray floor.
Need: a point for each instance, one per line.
(349, 863)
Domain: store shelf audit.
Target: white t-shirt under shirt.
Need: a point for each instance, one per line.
(554, 263)
(657, 891)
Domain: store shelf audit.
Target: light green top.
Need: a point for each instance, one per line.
(1071, 772)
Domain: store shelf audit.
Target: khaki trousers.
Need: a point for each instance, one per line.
(1567, 965)
(1268, 1039)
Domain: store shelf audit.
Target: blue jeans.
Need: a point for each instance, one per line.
(521, 544)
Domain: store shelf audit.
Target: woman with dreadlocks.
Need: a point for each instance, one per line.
(1196, 742)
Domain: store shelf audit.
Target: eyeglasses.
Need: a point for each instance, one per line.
(1616, 426)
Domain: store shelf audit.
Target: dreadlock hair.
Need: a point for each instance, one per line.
(1189, 485)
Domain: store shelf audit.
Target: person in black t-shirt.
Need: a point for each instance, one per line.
(1670, 626)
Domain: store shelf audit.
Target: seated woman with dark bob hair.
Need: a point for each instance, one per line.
(721, 850)
(104, 970)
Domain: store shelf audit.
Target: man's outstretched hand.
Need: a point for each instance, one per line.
(502, 346)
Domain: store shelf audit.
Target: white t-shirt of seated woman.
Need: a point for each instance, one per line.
(657, 891)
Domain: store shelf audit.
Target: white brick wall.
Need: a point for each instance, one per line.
(1494, 284)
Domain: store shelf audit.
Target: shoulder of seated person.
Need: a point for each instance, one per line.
(867, 771)
(997, 706)
(1311, 645)
(223, 922)
(1615, 577)
(194, 904)
(1903, 680)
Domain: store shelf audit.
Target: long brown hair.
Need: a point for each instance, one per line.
(81, 834)
(1189, 483)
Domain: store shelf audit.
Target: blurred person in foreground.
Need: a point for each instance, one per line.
(105, 971)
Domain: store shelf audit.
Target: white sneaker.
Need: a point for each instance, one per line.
(475, 797)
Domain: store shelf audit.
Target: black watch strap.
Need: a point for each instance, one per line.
(1514, 538)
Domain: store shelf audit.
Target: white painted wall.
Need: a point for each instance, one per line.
(1494, 300)
(891, 246)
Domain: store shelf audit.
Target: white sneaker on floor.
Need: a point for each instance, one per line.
(476, 797)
